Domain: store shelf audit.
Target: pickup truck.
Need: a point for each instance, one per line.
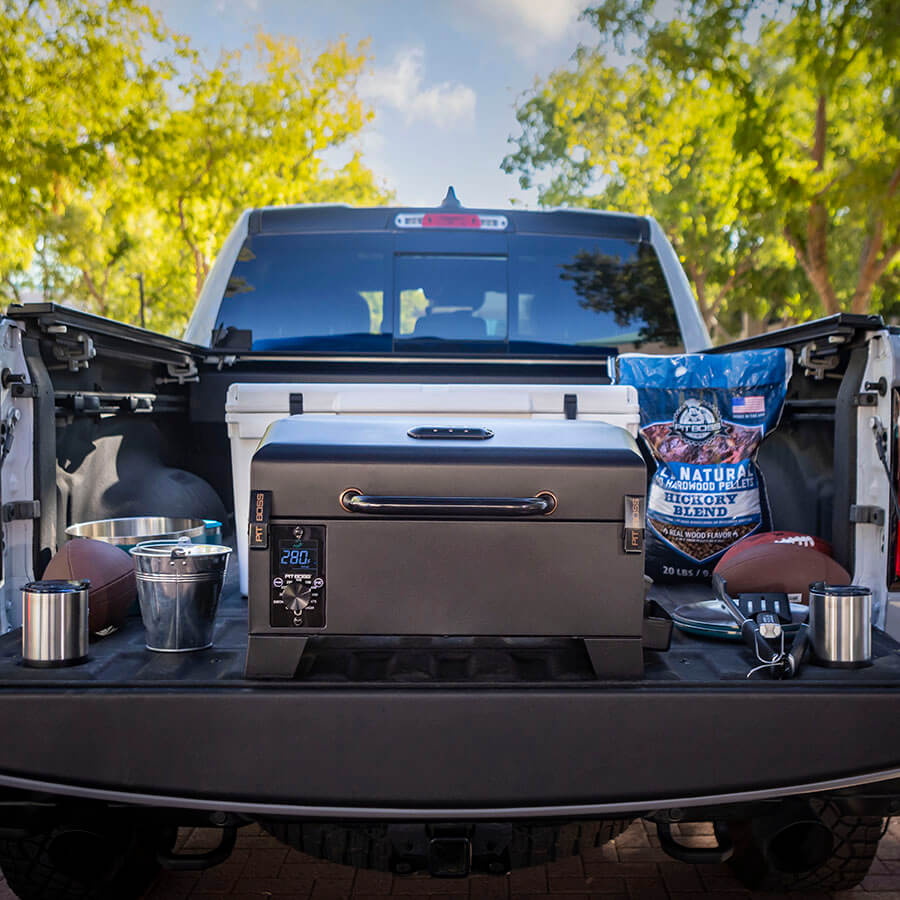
(384, 757)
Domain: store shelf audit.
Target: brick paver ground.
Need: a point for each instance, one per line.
(631, 868)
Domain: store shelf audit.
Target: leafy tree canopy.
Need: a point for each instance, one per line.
(765, 137)
(123, 152)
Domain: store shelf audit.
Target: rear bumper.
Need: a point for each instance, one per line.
(433, 753)
(873, 785)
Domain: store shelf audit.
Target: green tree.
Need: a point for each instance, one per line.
(78, 82)
(237, 140)
(641, 140)
(813, 85)
(768, 147)
(177, 158)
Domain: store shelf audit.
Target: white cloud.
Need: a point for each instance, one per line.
(401, 86)
(548, 19)
(525, 24)
(222, 6)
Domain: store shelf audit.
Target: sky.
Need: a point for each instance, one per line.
(443, 79)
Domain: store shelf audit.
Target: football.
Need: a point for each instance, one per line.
(778, 537)
(777, 567)
(110, 572)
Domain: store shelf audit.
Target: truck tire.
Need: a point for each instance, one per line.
(806, 846)
(110, 861)
(370, 847)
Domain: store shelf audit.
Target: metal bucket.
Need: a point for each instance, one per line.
(178, 586)
(129, 532)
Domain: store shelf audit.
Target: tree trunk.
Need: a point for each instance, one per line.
(813, 256)
(698, 279)
(873, 262)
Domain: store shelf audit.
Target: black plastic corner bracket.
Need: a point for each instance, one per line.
(696, 855)
(274, 655)
(867, 515)
(616, 658)
(196, 862)
(21, 509)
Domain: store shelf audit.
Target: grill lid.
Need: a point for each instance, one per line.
(309, 463)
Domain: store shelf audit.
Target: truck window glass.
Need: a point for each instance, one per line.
(349, 292)
(452, 298)
(590, 294)
(310, 292)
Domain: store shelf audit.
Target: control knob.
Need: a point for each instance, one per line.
(296, 596)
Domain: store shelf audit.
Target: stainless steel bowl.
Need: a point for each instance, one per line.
(130, 532)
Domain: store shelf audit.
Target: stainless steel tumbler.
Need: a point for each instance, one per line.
(840, 625)
(55, 623)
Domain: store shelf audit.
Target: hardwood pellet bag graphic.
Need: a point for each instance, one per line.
(703, 417)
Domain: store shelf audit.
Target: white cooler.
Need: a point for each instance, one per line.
(251, 408)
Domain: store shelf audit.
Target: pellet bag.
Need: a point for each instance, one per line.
(703, 417)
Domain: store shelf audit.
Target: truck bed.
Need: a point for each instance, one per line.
(121, 660)
(475, 728)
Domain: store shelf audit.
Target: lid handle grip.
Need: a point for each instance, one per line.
(450, 433)
(542, 504)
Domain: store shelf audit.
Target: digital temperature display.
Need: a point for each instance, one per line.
(295, 555)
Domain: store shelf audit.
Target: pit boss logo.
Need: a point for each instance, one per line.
(260, 509)
(696, 421)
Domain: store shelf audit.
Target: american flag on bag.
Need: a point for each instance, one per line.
(748, 406)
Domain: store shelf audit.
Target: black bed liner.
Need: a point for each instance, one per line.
(121, 660)
(465, 726)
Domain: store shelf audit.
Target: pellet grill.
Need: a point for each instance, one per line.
(395, 526)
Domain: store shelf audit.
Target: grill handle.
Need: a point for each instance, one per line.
(355, 501)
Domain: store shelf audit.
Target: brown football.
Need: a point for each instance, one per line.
(787, 568)
(777, 537)
(110, 572)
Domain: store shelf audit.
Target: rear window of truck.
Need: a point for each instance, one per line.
(512, 294)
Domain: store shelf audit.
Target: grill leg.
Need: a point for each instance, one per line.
(616, 658)
(273, 656)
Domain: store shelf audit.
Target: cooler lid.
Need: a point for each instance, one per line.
(412, 398)
(308, 462)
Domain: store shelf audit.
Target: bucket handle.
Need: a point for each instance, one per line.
(180, 552)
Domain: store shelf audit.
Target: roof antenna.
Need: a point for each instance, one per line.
(450, 201)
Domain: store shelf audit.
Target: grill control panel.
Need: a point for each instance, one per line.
(297, 576)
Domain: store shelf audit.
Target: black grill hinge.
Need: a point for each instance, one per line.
(867, 515)
(570, 405)
(21, 509)
(295, 404)
(867, 398)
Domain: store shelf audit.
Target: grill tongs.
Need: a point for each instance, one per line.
(764, 635)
